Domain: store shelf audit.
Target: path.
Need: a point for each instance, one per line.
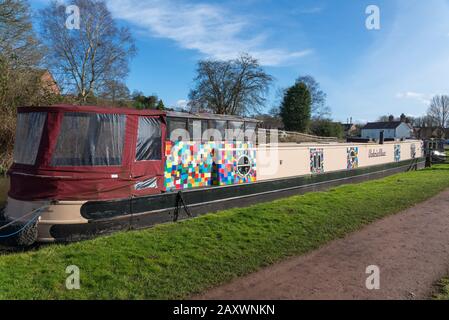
(410, 248)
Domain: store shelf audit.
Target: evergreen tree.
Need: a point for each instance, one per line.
(319, 108)
(160, 105)
(296, 108)
(326, 128)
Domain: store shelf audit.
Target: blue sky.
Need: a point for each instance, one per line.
(366, 73)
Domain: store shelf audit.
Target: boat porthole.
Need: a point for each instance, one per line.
(244, 166)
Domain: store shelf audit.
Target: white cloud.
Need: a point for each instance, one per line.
(182, 104)
(421, 97)
(210, 29)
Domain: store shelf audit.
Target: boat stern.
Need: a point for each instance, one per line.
(38, 215)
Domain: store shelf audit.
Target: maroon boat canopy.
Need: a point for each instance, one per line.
(68, 152)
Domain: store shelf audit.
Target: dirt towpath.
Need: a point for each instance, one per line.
(411, 250)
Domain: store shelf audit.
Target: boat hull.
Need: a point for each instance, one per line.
(77, 220)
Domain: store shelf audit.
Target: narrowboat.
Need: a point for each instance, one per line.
(81, 171)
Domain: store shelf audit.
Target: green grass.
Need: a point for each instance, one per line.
(179, 259)
(443, 293)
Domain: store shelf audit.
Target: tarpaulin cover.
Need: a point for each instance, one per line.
(149, 139)
(28, 136)
(89, 139)
(87, 153)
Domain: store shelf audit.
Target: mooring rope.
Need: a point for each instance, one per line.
(21, 229)
(180, 201)
(37, 212)
(413, 165)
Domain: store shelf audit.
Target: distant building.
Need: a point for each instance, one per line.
(47, 82)
(269, 122)
(391, 130)
(349, 129)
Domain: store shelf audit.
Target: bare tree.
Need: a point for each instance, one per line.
(235, 86)
(423, 122)
(87, 58)
(439, 111)
(114, 92)
(20, 54)
(320, 109)
(21, 81)
(18, 44)
(384, 118)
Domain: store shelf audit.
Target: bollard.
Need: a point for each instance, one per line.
(428, 160)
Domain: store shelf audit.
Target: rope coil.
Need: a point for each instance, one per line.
(37, 213)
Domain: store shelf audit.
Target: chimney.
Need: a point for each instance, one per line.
(381, 137)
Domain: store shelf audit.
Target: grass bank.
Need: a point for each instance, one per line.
(179, 259)
(443, 293)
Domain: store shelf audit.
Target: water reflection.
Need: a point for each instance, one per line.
(4, 187)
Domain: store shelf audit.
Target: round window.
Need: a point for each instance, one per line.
(244, 166)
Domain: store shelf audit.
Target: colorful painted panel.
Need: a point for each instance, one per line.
(224, 164)
(353, 158)
(316, 160)
(196, 164)
(397, 152)
(236, 164)
(413, 151)
(188, 165)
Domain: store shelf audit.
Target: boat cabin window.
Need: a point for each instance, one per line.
(28, 137)
(250, 132)
(235, 131)
(175, 127)
(149, 139)
(316, 160)
(210, 130)
(244, 166)
(90, 139)
(219, 130)
(196, 129)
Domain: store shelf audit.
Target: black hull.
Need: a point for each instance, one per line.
(143, 212)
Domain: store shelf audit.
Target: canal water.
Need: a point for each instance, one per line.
(4, 187)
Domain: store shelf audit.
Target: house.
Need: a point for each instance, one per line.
(47, 82)
(349, 129)
(426, 133)
(269, 122)
(390, 129)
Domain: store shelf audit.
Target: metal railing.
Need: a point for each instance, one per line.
(296, 137)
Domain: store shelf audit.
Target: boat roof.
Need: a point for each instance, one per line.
(93, 109)
(209, 116)
(105, 109)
